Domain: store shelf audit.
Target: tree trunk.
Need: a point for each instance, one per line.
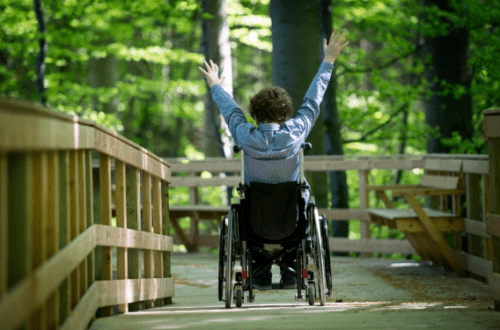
(449, 54)
(333, 138)
(103, 72)
(295, 62)
(216, 47)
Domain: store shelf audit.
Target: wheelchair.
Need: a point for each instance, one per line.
(259, 225)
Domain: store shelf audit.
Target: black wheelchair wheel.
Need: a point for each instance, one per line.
(311, 295)
(229, 259)
(326, 250)
(238, 294)
(222, 248)
(319, 257)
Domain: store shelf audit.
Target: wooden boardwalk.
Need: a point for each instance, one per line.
(368, 294)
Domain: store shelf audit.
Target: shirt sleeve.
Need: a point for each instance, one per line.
(309, 111)
(232, 114)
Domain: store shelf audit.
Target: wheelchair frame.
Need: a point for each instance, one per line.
(233, 246)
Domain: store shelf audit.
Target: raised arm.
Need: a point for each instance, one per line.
(332, 50)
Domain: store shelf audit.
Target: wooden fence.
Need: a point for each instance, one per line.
(56, 236)
(491, 121)
(476, 256)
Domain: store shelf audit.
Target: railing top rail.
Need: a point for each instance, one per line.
(26, 126)
(494, 111)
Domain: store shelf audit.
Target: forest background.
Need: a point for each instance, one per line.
(414, 78)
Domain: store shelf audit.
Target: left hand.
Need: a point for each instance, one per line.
(212, 74)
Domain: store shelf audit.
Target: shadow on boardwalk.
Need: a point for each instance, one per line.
(368, 294)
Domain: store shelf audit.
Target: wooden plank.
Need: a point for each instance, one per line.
(44, 133)
(476, 166)
(90, 214)
(82, 216)
(52, 303)
(474, 264)
(432, 231)
(446, 165)
(494, 284)
(229, 181)
(408, 214)
(383, 197)
(64, 235)
(165, 213)
(476, 227)
(121, 222)
(127, 291)
(39, 219)
(73, 222)
(21, 302)
(193, 226)
(3, 223)
(114, 145)
(157, 224)
(440, 181)
(491, 124)
(148, 225)
(105, 187)
(441, 224)
(345, 214)
(363, 204)
(133, 188)
(132, 239)
(493, 224)
(84, 311)
(371, 245)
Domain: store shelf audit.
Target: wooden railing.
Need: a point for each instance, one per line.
(57, 266)
(491, 121)
(362, 165)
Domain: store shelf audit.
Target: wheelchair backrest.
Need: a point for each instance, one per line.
(273, 211)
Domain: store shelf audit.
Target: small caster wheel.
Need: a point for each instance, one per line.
(311, 295)
(238, 296)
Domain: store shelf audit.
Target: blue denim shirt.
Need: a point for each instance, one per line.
(271, 150)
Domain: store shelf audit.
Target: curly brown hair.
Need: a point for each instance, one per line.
(271, 105)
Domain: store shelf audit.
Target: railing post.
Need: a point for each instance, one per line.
(3, 224)
(147, 226)
(73, 222)
(474, 212)
(82, 215)
(363, 204)
(133, 188)
(90, 213)
(193, 228)
(64, 235)
(121, 222)
(157, 228)
(105, 185)
(52, 230)
(165, 220)
(18, 207)
(38, 226)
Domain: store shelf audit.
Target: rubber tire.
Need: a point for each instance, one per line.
(311, 295)
(229, 260)
(326, 251)
(238, 293)
(319, 259)
(222, 243)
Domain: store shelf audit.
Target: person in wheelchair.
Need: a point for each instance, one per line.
(272, 149)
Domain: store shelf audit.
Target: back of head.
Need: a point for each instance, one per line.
(271, 105)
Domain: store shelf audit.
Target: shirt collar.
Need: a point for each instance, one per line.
(269, 127)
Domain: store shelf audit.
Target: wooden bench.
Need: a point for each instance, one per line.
(423, 226)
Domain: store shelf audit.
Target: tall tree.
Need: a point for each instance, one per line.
(216, 47)
(295, 62)
(333, 138)
(449, 106)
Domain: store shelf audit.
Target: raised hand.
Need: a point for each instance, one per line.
(333, 49)
(212, 74)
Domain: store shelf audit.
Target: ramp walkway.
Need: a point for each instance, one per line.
(368, 294)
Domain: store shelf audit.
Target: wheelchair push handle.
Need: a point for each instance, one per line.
(304, 146)
(237, 148)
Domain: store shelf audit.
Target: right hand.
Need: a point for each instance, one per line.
(332, 50)
(212, 74)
